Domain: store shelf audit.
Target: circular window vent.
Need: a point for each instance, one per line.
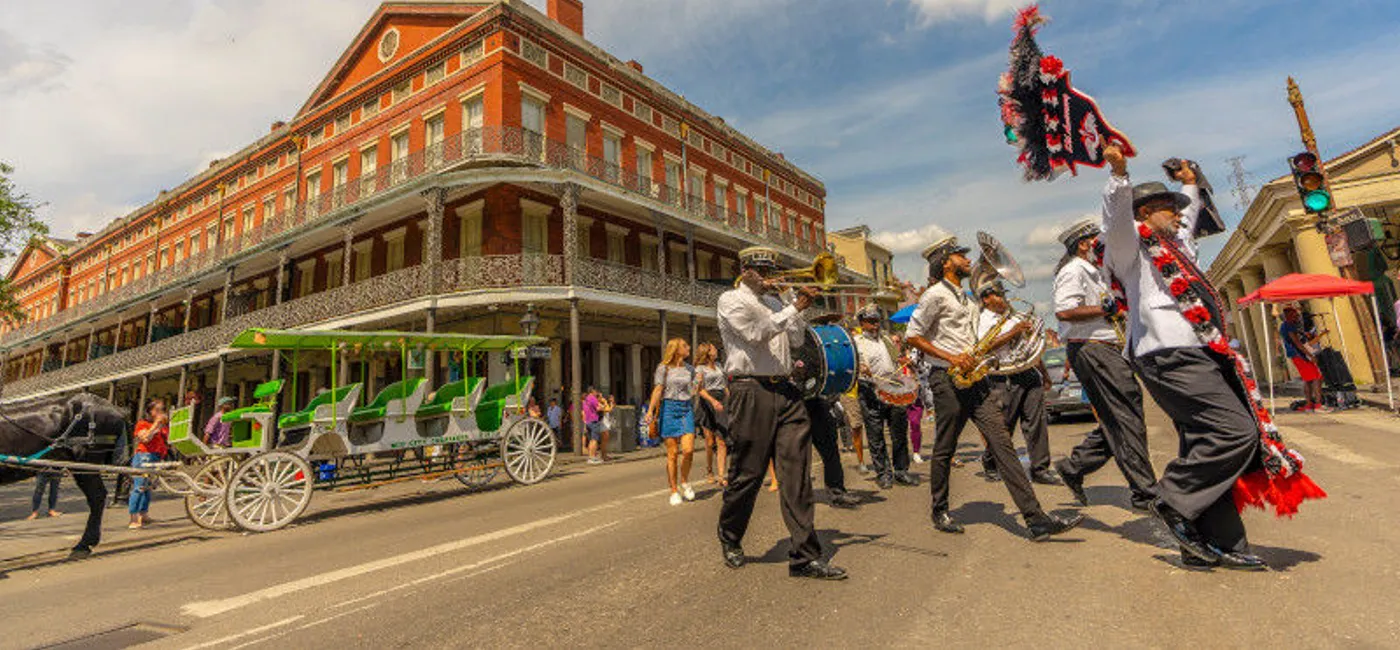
(388, 45)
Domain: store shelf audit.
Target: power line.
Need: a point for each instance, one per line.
(1239, 183)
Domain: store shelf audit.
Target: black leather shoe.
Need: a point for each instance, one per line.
(906, 479)
(1144, 505)
(991, 475)
(1184, 531)
(1046, 477)
(1241, 561)
(1075, 483)
(885, 482)
(844, 500)
(817, 570)
(733, 555)
(1194, 563)
(1053, 525)
(944, 522)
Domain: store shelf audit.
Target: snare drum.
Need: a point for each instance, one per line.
(826, 363)
(896, 390)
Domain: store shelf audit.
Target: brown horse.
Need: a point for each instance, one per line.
(82, 427)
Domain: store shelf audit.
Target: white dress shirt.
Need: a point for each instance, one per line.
(1154, 321)
(946, 318)
(1077, 284)
(874, 352)
(986, 320)
(758, 332)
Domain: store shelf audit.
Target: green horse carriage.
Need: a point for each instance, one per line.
(466, 429)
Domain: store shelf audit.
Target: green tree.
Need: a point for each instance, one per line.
(18, 227)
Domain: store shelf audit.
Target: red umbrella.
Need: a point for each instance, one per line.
(1306, 286)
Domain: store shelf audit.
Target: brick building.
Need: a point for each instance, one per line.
(462, 162)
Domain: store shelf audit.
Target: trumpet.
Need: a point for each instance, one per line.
(824, 274)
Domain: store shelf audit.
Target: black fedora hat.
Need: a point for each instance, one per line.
(1144, 192)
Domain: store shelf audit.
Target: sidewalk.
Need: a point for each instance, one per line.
(44, 541)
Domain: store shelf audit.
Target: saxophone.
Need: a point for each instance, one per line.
(981, 353)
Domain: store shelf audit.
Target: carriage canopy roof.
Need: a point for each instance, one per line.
(265, 339)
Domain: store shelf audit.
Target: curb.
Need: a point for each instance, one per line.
(60, 556)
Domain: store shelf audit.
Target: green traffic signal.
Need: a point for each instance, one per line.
(1308, 180)
(1316, 201)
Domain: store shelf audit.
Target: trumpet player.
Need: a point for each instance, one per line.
(877, 361)
(1095, 352)
(1022, 392)
(943, 328)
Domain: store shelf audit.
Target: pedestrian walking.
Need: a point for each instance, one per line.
(916, 429)
(554, 415)
(218, 433)
(673, 416)
(592, 423)
(47, 479)
(710, 417)
(151, 436)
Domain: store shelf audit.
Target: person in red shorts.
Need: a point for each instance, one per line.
(1297, 344)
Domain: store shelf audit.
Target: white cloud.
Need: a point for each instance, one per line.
(935, 11)
(909, 241)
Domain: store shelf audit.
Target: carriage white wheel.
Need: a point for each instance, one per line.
(474, 471)
(269, 491)
(205, 505)
(527, 450)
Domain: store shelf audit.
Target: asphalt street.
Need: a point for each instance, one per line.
(596, 557)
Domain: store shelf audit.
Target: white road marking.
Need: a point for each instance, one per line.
(208, 608)
(256, 630)
(1332, 450)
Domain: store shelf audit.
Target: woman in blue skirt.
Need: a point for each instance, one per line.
(673, 416)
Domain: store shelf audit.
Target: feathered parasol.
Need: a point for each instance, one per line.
(1056, 127)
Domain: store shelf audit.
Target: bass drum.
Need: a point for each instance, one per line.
(827, 362)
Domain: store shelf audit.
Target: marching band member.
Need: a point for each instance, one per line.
(1022, 394)
(1196, 384)
(943, 328)
(877, 360)
(1096, 356)
(767, 419)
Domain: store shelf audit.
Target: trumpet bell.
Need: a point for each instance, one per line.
(996, 263)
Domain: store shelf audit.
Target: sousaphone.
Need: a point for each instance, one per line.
(996, 263)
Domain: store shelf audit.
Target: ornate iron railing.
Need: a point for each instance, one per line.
(494, 144)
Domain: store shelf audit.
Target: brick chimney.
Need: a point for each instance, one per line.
(568, 13)
(635, 66)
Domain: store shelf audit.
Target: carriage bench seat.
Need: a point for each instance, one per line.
(377, 409)
(440, 402)
(266, 394)
(304, 417)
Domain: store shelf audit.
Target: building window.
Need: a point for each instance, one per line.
(289, 199)
(228, 227)
(402, 90)
(717, 195)
(612, 95)
(644, 169)
(313, 186)
(470, 216)
(394, 240)
(398, 147)
(335, 268)
(575, 76)
(677, 263)
(577, 138)
(363, 260)
(696, 186)
(612, 155)
(534, 228)
(741, 206)
(472, 53)
(473, 119)
(435, 73)
(532, 53)
(369, 109)
(673, 180)
(269, 205)
(194, 242)
(248, 220)
(643, 112)
(342, 124)
(617, 245)
(306, 278)
(340, 173)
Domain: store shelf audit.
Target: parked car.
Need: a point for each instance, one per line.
(1066, 396)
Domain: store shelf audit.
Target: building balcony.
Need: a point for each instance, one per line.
(533, 273)
(508, 148)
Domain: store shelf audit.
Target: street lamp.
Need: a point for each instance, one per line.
(530, 322)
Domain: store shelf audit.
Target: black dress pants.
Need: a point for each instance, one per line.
(877, 415)
(1219, 438)
(1023, 401)
(952, 408)
(768, 421)
(1108, 380)
(824, 427)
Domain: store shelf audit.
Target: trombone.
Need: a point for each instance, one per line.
(825, 274)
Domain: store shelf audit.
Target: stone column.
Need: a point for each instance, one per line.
(575, 377)
(636, 378)
(219, 379)
(345, 256)
(694, 334)
(151, 325)
(145, 386)
(430, 357)
(568, 204)
(660, 244)
(228, 289)
(436, 200)
(111, 391)
(690, 251)
(282, 260)
(602, 370)
(184, 379)
(1364, 357)
(117, 335)
(665, 336)
(92, 342)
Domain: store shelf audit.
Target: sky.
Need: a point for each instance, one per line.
(891, 103)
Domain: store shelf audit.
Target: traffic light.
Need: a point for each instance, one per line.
(1307, 178)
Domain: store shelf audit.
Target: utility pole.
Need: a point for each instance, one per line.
(1239, 182)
